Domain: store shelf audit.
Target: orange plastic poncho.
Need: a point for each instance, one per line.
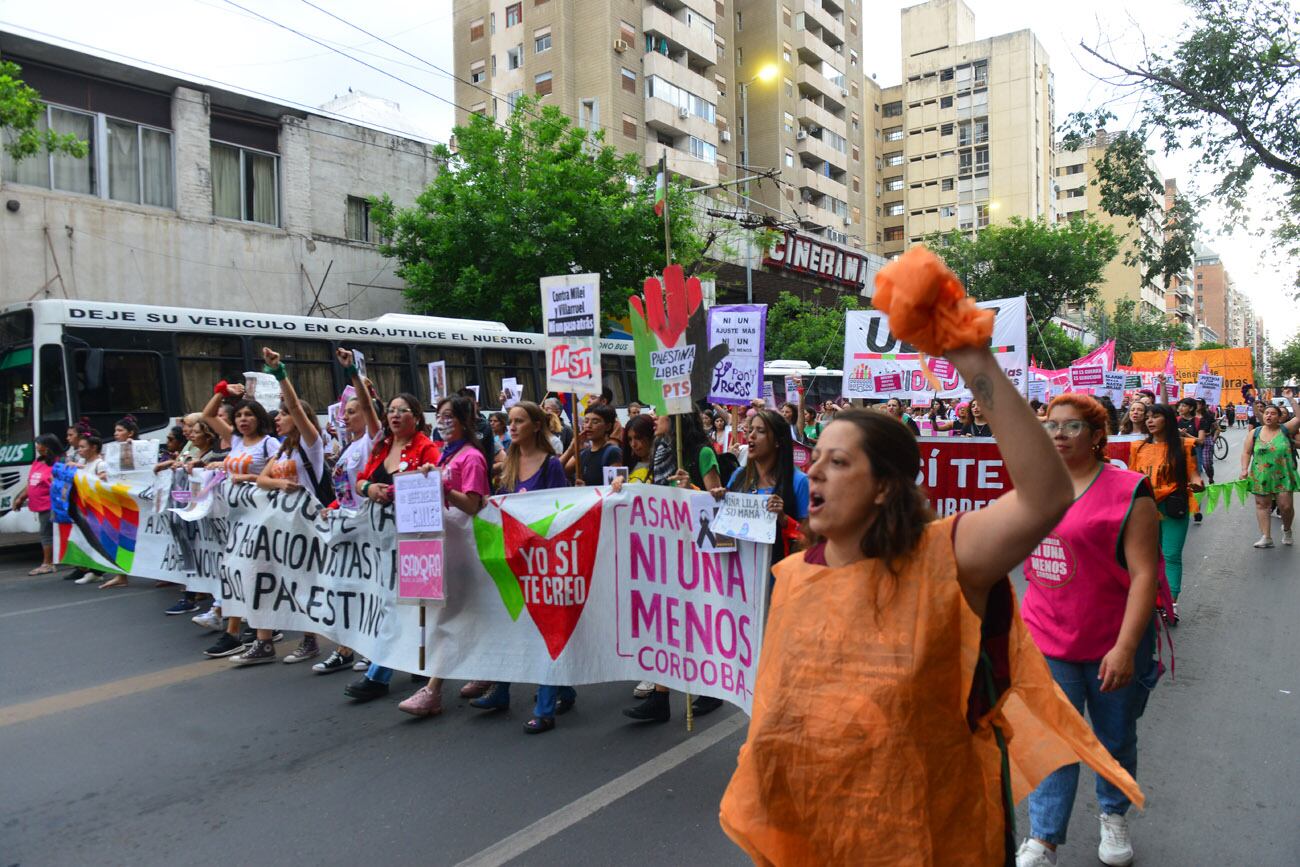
(859, 750)
(927, 305)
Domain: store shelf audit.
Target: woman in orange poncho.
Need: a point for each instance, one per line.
(900, 701)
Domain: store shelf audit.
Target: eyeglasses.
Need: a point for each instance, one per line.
(1071, 428)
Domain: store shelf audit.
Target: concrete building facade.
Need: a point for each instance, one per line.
(194, 196)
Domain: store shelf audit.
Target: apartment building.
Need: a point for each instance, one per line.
(968, 139)
(1178, 289)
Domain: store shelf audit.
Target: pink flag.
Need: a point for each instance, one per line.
(1169, 364)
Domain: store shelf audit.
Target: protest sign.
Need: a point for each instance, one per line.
(418, 499)
(1114, 388)
(1087, 376)
(571, 324)
(674, 361)
(359, 362)
(793, 385)
(1209, 388)
(559, 586)
(802, 456)
(877, 365)
(130, 457)
(420, 569)
(1239, 411)
(705, 509)
(1038, 390)
(769, 395)
(474, 388)
(1189, 389)
(263, 388)
(512, 392)
(437, 382)
(737, 379)
(612, 473)
(745, 516)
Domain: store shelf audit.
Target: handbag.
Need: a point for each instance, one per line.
(1176, 504)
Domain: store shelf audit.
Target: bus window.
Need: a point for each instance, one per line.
(311, 368)
(611, 374)
(15, 327)
(203, 361)
(16, 407)
(54, 392)
(500, 364)
(117, 383)
(387, 366)
(462, 369)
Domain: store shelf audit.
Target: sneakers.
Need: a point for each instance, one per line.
(654, 708)
(1287, 538)
(210, 619)
(1034, 854)
(334, 662)
(1264, 542)
(362, 664)
(259, 652)
(89, 578)
(248, 635)
(305, 650)
(475, 688)
(183, 606)
(1116, 850)
(424, 702)
(644, 689)
(365, 689)
(496, 698)
(227, 645)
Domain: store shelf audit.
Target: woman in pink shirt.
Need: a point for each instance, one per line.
(37, 496)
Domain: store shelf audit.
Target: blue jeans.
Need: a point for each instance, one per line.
(1114, 718)
(547, 696)
(378, 673)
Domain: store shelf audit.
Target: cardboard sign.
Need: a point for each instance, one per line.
(769, 395)
(571, 324)
(746, 517)
(263, 388)
(1087, 376)
(474, 388)
(420, 569)
(1209, 387)
(793, 385)
(418, 500)
(437, 382)
(1239, 411)
(513, 392)
(737, 379)
(1114, 388)
(1038, 390)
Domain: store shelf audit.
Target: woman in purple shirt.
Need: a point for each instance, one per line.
(531, 465)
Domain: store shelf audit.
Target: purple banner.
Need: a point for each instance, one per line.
(738, 377)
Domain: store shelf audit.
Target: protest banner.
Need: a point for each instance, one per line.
(670, 336)
(1114, 387)
(1087, 376)
(420, 570)
(1235, 365)
(437, 382)
(131, 457)
(418, 501)
(1209, 388)
(746, 517)
(878, 366)
(738, 378)
(571, 324)
(560, 586)
(263, 388)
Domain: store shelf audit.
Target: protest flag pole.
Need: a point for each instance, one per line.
(422, 639)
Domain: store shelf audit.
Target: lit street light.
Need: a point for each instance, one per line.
(766, 73)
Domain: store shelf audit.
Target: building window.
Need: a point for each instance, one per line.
(542, 83)
(894, 159)
(244, 185)
(853, 26)
(893, 109)
(479, 109)
(981, 215)
(515, 57)
(946, 185)
(945, 102)
(512, 99)
(946, 129)
(702, 150)
(947, 211)
(542, 40)
(857, 215)
(789, 88)
(629, 127)
(857, 184)
(894, 233)
(514, 14)
(789, 158)
(357, 225)
(893, 184)
(854, 122)
(785, 52)
(629, 80)
(785, 16)
(660, 88)
(476, 30)
(478, 72)
(857, 154)
(894, 209)
(945, 74)
(787, 121)
(740, 22)
(894, 134)
(626, 32)
(853, 88)
(853, 57)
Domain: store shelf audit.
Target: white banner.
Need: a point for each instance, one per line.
(1209, 388)
(571, 323)
(878, 366)
(738, 378)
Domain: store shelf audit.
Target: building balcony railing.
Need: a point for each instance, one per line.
(809, 79)
(811, 179)
(816, 148)
(681, 163)
(663, 116)
(654, 63)
(822, 16)
(813, 50)
(812, 114)
(695, 40)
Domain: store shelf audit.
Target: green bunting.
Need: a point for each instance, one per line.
(1208, 499)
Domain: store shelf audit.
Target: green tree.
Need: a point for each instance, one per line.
(1052, 265)
(20, 115)
(1057, 347)
(1213, 346)
(805, 331)
(527, 198)
(1286, 362)
(1136, 331)
(1228, 89)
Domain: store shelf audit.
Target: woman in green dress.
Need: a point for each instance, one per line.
(1268, 460)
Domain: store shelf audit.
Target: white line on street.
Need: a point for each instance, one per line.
(101, 598)
(546, 827)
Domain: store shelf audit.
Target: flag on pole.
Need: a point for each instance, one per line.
(1205, 366)
(1169, 363)
(661, 192)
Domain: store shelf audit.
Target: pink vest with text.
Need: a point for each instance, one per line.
(1074, 605)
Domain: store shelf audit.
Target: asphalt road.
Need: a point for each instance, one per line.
(121, 744)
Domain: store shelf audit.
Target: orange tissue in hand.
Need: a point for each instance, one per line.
(927, 305)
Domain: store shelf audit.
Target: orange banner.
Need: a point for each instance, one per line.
(1234, 365)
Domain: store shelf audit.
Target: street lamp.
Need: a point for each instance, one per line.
(767, 72)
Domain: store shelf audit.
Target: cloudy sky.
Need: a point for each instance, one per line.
(214, 40)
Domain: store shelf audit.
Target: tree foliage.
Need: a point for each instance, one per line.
(1228, 89)
(1285, 363)
(805, 331)
(20, 114)
(526, 198)
(1136, 331)
(1053, 347)
(1052, 265)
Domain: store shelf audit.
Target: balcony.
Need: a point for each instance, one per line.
(819, 216)
(811, 179)
(655, 63)
(663, 116)
(697, 41)
(681, 163)
(822, 152)
(809, 79)
(813, 50)
(812, 114)
(815, 12)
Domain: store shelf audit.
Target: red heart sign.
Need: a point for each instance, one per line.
(554, 574)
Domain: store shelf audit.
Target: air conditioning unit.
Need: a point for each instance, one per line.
(620, 46)
(848, 222)
(683, 112)
(725, 135)
(844, 93)
(801, 134)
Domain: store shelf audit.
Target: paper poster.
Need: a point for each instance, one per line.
(571, 324)
(1087, 376)
(793, 385)
(802, 456)
(420, 569)
(872, 355)
(769, 395)
(704, 509)
(437, 382)
(418, 501)
(1114, 388)
(474, 388)
(359, 362)
(1239, 411)
(612, 473)
(737, 378)
(669, 330)
(1189, 390)
(1209, 387)
(132, 456)
(511, 392)
(1038, 390)
(263, 388)
(746, 517)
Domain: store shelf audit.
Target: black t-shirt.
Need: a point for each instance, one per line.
(974, 429)
(594, 463)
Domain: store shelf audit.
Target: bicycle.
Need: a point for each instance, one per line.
(1220, 441)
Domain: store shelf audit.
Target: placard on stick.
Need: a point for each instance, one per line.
(417, 499)
(420, 570)
(745, 516)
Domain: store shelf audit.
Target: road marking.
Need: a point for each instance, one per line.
(509, 848)
(43, 707)
(103, 598)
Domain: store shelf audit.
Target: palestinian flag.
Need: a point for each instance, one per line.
(661, 191)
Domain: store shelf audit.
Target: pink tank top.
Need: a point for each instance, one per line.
(1074, 605)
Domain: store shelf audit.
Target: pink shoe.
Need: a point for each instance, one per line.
(475, 688)
(425, 702)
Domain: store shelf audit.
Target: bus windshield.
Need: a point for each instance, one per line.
(17, 406)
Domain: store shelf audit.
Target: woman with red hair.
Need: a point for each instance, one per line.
(1089, 607)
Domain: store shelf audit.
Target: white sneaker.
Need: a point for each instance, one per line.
(1116, 850)
(362, 664)
(1287, 538)
(1034, 854)
(643, 689)
(89, 578)
(210, 619)
(1264, 542)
